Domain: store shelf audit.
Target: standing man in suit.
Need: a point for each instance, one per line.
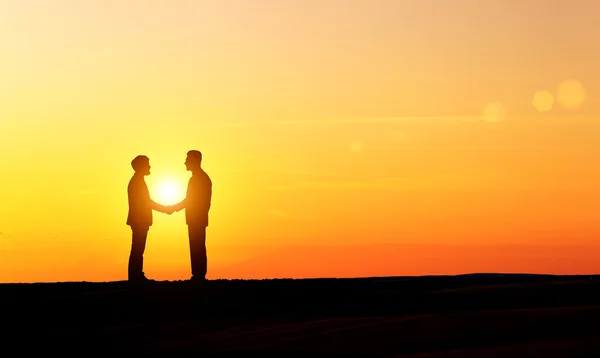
(139, 217)
(197, 205)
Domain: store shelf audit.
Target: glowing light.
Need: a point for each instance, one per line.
(543, 101)
(494, 112)
(571, 94)
(169, 192)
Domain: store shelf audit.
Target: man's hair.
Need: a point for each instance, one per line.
(139, 160)
(196, 155)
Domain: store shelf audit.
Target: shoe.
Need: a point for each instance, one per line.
(198, 279)
(140, 279)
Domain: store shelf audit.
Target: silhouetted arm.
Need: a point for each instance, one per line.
(160, 208)
(184, 203)
(208, 197)
(179, 206)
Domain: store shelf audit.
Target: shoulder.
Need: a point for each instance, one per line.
(201, 176)
(206, 178)
(200, 180)
(136, 182)
(133, 181)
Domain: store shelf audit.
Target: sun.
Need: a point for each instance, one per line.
(169, 192)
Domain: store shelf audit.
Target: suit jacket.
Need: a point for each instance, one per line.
(197, 200)
(140, 204)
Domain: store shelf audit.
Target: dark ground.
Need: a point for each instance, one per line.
(482, 315)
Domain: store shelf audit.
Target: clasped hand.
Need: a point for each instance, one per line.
(169, 209)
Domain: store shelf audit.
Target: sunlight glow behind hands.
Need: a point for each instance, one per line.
(169, 192)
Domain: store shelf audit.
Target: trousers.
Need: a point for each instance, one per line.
(199, 261)
(136, 256)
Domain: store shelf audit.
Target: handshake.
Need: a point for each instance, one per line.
(168, 209)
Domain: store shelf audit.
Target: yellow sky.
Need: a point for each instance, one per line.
(321, 123)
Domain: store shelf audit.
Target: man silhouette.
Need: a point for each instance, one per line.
(197, 205)
(139, 217)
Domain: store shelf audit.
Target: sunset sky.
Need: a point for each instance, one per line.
(343, 137)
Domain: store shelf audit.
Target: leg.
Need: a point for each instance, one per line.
(198, 257)
(136, 256)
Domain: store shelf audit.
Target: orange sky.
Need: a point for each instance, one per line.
(344, 138)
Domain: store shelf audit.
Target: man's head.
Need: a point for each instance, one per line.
(193, 160)
(141, 165)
